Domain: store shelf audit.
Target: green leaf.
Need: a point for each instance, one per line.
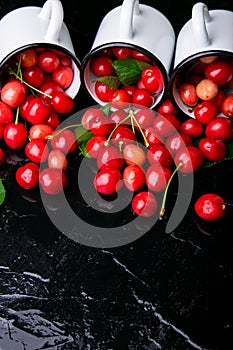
(129, 70)
(106, 109)
(110, 81)
(2, 192)
(83, 136)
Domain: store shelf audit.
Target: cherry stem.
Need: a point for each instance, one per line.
(162, 210)
(49, 137)
(114, 129)
(17, 116)
(141, 131)
(29, 85)
(130, 116)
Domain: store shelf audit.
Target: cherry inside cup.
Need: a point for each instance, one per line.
(123, 75)
(39, 64)
(203, 80)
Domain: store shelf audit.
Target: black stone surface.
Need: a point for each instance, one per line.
(163, 291)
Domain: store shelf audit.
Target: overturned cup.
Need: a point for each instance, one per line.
(141, 31)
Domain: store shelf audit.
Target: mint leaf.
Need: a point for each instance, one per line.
(2, 192)
(129, 70)
(110, 81)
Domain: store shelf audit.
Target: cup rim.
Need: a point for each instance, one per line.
(39, 45)
(96, 50)
(185, 63)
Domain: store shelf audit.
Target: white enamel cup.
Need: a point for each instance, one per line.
(136, 26)
(206, 34)
(32, 26)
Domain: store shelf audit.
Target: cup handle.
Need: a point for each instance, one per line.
(129, 8)
(201, 16)
(52, 10)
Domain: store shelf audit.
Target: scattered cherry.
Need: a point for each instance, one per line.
(210, 206)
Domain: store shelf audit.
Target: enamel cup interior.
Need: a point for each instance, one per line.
(183, 72)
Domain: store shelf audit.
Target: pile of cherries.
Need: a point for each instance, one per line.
(33, 102)
(134, 146)
(142, 92)
(142, 149)
(207, 89)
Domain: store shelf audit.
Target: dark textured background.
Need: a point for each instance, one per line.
(163, 291)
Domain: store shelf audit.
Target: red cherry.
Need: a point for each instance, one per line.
(133, 177)
(53, 120)
(40, 132)
(219, 128)
(63, 76)
(145, 118)
(227, 106)
(177, 141)
(137, 55)
(119, 99)
(157, 177)
(94, 144)
(205, 112)
(37, 111)
(66, 61)
(37, 151)
(24, 105)
(49, 88)
(210, 206)
(165, 125)
(27, 176)
(110, 157)
(52, 181)
(152, 79)
(122, 52)
(129, 89)
(108, 181)
(220, 72)
(100, 126)
(103, 91)
(123, 136)
(159, 154)
(213, 150)
(61, 102)
(166, 107)
(152, 136)
(28, 58)
(188, 94)
(64, 140)
(144, 204)
(13, 93)
(218, 100)
(48, 61)
(6, 113)
(89, 114)
(118, 115)
(34, 76)
(102, 65)
(192, 127)
(57, 160)
(191, 159)
(143, 98)
(15, 135)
